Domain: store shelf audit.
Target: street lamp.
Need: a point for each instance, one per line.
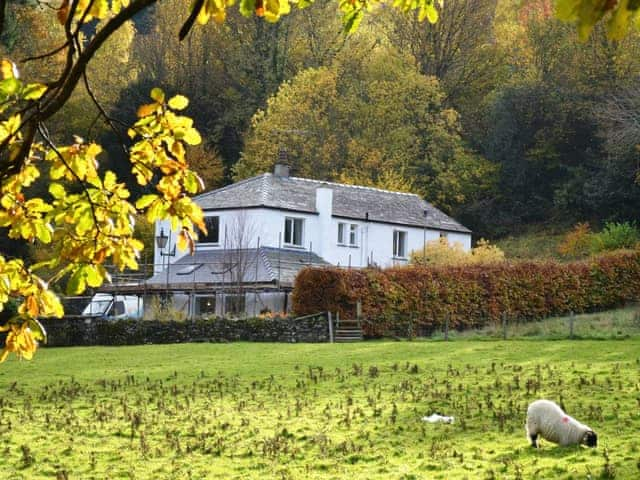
(161, 243)
(424, 237)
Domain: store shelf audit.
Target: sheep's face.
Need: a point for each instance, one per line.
(590, 439)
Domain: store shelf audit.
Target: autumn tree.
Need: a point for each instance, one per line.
(377, 122)
(87, 215)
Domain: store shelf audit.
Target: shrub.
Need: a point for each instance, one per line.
(577, 243)
(441, 253)
(484, 253)
(615, 236)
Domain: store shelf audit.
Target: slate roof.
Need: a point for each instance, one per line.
(214, 267)
(349, 201)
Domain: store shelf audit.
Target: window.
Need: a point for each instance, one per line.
(443, 234)
(399, 244)
(293, 229)
(341, 228)
(206, 305)
(234, 304)
(117, 309)
(213, 230)
(353, 234)
(348, 234)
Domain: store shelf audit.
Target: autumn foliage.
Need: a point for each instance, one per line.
(470, 296)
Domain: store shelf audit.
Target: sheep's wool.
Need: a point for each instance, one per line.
(547, 419)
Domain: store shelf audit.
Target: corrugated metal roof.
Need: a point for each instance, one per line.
(349, 201)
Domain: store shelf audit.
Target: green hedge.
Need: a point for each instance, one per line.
(470, 296)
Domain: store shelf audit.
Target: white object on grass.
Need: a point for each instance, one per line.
(437, 418)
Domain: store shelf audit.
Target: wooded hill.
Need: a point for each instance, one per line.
(497, 114)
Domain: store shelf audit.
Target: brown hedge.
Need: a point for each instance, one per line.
(471, 296)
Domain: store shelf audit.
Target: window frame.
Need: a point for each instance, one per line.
(293, 221)
(397, 236)
(348, 234)
(204, 240)
(209, 301)
(236, 300)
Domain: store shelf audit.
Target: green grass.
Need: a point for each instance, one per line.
(608, 325)
(534, 245)
(317, 411)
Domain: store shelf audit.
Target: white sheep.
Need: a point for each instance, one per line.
(546, 418)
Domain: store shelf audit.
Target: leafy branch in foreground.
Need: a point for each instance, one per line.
(90, 218)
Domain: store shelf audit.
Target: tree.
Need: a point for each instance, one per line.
(361, 122)
(459, 50)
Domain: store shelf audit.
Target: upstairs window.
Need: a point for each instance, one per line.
(443, 235)
(399, 244)
(348, 234)
(293, 231)
(213, 231)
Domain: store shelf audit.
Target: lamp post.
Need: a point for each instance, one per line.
(161, 242)
(424, 237)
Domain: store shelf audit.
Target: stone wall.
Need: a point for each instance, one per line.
(85, 332)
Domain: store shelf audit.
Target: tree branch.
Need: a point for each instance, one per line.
(188, 25)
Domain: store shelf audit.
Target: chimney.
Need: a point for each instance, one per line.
(324, 207)
(281, 168)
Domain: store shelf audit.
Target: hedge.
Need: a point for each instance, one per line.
(470, 296)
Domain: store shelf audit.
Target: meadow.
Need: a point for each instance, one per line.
(317, 411)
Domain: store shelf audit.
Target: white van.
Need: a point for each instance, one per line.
(113, 307)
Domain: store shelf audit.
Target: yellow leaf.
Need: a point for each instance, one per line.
(179, 102)
(157, 94)
(192, 137)
(148, 109)
(9, 69)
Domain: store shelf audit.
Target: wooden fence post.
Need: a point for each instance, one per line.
(571, 319)
(446, 327)
(504, 325)
(330, 327)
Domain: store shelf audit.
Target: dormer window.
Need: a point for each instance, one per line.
(213, 231)
(293, 231)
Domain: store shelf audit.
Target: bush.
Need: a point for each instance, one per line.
(484, 253)
(470, 296)
(615, 236)
(577, 243)
(441, 253)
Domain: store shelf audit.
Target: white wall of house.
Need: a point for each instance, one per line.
(374, 241)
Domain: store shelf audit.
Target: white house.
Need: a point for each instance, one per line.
(263, 230)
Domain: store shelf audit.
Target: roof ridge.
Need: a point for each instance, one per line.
(361, 187)
(231, 185)
(265, 190)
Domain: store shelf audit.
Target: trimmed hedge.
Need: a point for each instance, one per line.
(471, 296)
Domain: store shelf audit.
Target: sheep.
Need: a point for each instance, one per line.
(546, 418)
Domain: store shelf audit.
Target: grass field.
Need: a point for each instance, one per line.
(287, 411)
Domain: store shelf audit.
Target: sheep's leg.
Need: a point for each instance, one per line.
(534, 440)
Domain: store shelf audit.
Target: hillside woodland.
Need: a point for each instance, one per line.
(498, 113)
